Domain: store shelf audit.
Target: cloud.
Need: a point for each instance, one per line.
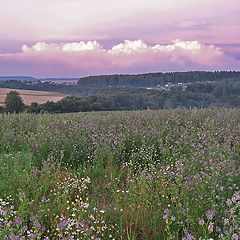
(64, 47)
(82, 46)
(193, 51)
(130, 47)
(90, 57)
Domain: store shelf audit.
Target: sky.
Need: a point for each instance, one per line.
(75, 38)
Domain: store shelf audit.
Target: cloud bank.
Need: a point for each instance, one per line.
(90, 57)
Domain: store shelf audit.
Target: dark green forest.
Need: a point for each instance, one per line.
(153, 79)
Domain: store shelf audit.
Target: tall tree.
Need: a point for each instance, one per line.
(13, 102)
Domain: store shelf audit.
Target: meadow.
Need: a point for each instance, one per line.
(169, 174)
(30, 96)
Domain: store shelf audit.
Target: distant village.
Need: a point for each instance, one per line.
(177, 86)
(170, 86)
(69, 83)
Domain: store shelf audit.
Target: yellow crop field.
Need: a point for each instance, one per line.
(30, 96)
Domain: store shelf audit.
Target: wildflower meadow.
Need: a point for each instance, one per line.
(169, 174)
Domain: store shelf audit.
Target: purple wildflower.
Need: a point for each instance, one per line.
(210, 214)
(166, 210)
(18, 220)
(229, 202)
(235, 236)
(190, 237)
(24, 228)
(13, 237)
(37, 224)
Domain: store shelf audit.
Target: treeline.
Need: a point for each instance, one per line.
(67, 89)
(39, 86)
(154, 79)
(199, 95)
(111, 84)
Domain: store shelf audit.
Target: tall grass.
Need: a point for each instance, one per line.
(171, 174)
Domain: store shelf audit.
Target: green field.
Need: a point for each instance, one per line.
(170, 174)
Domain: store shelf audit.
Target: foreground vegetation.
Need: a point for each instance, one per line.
(170, 174)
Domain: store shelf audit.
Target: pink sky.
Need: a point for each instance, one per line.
(73, 38)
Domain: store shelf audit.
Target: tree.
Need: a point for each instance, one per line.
(34, 108)
(50, 107)
(13, 102)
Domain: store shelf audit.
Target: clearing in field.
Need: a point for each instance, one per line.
(30, 96)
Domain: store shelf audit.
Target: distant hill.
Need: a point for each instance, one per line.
(154, 79)
(21, 78)
(32, 79)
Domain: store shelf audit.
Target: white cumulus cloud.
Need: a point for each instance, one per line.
(90, 57)
(130, 47)
(82, 46)
(64, 47)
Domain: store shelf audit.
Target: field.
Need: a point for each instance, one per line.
(170, 174)
(30, 96)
